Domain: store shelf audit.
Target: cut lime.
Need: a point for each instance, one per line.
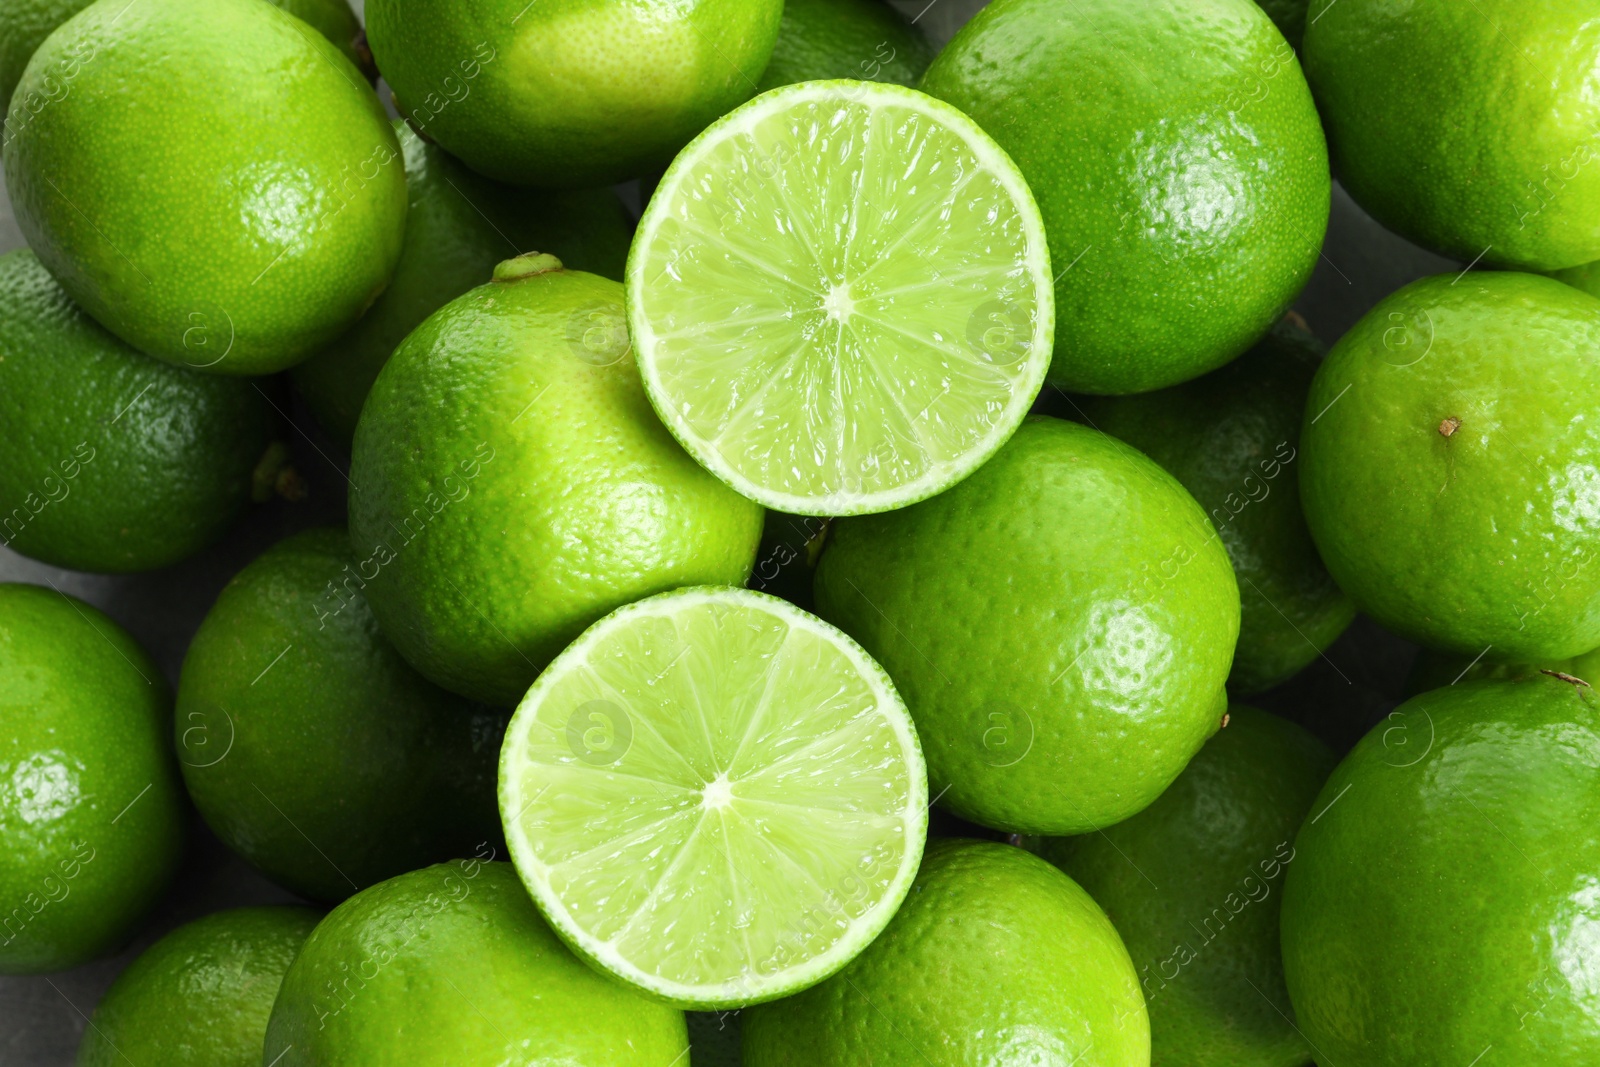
(714, 796)
(840, 297)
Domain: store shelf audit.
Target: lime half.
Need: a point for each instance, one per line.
(840, 297)
(714, 796)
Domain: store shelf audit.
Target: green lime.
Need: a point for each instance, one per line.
(91, 810)
(995, 958)
(109, 460)
(1467, 128)
(1193, 884)
(458, 227)
(510, 484)
(200, 996)
(24, 24)
(1442, 899)
(715, 796)
(865, 39)
(840, 297)
(1232, 438)
(310, 747)
(1060, 624)
(1179, 163)
(1435, 670)
(1449, 444)
(569, 93)
(451, 966)
(216, 185)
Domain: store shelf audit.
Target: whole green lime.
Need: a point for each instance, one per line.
(458, 227)
(109, 460)
(1232, 438)
(216, 185)
(994, 958)
(310, 747)
(24, 24)
(1447, 470)
(1192, 883)
(1176, 155)
(1060, 625)
(1435, 670)
(569, 93)
(863, 39)
(1443, 894)
(91, 810)
(1472, 129)
(510, 483)
(451, 966)
(199, 997)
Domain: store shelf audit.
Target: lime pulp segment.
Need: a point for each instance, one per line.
(714, 796)
(840, 297)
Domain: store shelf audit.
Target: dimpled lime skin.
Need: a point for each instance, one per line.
(510, 483)
(1176, 155)
(1448, 459)
(994, 958)
(91, 809)
(863, 39)
(24, 24)
(1435, 670)
(245, 189)
(199, 997)
(1060, 625)
(569, 93)
(1232, 438)
(1442, 899)
(111, 461)
(451, 966)
(336, 765)
(1193, 884)
(458, 227)
(1472, 129)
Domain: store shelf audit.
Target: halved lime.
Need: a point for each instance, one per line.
(840, 297)
(714, 796)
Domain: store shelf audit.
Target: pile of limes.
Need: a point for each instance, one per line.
(792, 608)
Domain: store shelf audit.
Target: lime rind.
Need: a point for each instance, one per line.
(715, 797)
(840, 297)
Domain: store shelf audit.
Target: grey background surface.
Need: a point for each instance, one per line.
(42, 1018)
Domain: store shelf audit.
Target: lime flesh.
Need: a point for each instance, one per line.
(714, 796)
(840, 297)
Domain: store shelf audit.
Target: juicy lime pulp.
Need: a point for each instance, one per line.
(714, 796)
(840, 297)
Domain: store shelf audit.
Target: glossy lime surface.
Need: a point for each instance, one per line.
(451, 966)
(995, 958)
(213, 182)
(91, 807)
(1193, 884)
(511, 483)
(310, 747)
(863, 39)
(1442, 901)
(569, 93)
(1447, 473)
(200, 996)
(1232, 438)
(1060, 625)
(1467, 128)
(1176, 154)
(110, 460)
